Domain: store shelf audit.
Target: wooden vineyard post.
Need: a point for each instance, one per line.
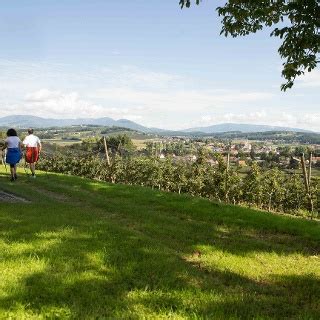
(304, 170)
(228, 161)
(106, 150)
(227, 177)
(307, 180)
(309, 183)
(309, 169)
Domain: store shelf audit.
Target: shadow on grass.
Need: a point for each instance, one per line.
(179, 216)
(96, 268)
(114, 257)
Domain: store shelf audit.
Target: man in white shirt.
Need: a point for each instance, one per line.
(33, 148)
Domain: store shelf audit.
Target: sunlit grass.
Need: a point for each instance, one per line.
(84, 249)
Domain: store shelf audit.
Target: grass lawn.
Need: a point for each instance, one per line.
(83, 249)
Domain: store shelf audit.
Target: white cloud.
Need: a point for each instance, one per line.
(310, 79)
(232, 117)
(187, 100)
(57, 104)
(133, 77)
(155, 108)
(309, 121)
(154, 98)
(44, 95)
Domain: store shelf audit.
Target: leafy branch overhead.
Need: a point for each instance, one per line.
(296, 22)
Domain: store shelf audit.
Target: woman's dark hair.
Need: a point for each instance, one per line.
(12, 133)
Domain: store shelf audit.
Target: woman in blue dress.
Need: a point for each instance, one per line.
(14, 151)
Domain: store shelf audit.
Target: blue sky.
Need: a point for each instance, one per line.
(148, 61)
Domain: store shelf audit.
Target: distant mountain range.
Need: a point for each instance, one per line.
(25, 121)
(228, 127)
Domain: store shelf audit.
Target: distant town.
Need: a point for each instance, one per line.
(268, 149)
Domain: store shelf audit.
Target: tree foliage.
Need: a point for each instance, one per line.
(295, 22)
(271, 190)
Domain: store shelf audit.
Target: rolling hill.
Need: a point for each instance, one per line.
(246, 128)
(24, 121)
(83, 249)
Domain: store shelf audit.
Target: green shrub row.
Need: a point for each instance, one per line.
(272, 190)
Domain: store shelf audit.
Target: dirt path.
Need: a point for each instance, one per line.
(10, 197)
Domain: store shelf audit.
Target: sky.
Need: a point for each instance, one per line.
(146, 61)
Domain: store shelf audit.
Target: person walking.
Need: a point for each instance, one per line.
(33, 148)
(14, 151)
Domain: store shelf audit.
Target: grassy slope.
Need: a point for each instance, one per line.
(83, 249)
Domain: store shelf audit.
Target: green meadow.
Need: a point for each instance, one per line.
(83, 249)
